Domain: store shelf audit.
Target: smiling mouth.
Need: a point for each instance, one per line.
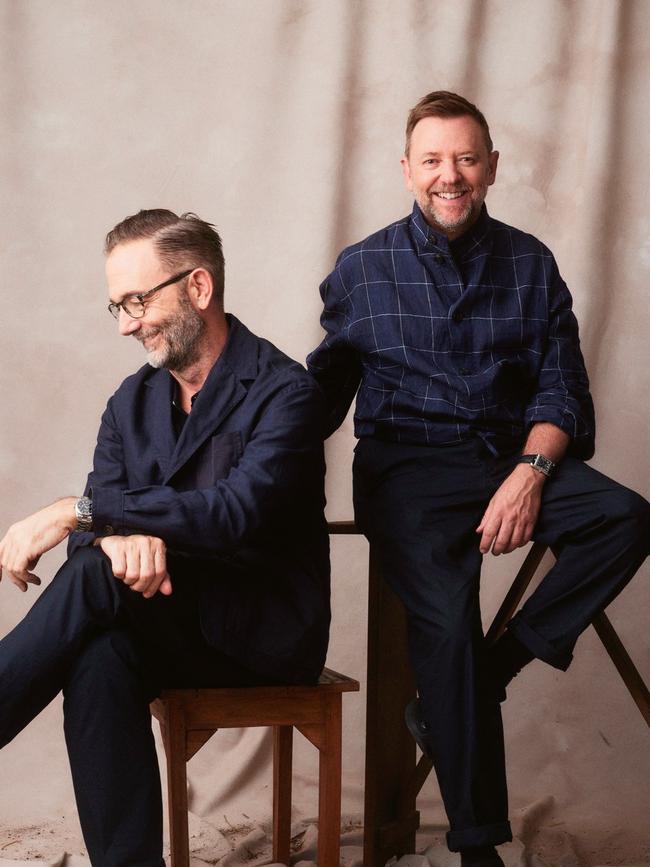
(144, 338)
(448, 197)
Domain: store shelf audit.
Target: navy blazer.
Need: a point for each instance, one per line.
(239, 498)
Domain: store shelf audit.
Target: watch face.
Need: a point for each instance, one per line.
(538, 462)
(543, 464)
(84, 511)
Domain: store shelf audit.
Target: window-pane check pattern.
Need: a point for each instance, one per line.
(449, 340)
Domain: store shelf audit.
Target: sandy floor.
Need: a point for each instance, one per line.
(59, 844)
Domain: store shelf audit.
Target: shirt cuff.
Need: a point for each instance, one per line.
(582, 443)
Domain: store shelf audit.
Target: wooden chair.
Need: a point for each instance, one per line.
(189, 717)
(392, 778)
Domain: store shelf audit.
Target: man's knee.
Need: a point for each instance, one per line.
(88, 572)
(83, 592)
(450, 633)
(629, 513)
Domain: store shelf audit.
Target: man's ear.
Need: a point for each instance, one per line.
(406, 171)
(201, 288)
(493, 159)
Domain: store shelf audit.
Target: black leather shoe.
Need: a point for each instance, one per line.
(481, 856)
(417, 726)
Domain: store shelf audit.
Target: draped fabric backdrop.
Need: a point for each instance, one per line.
(282, 121)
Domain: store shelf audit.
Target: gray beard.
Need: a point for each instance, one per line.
(436, 219)
(181, 340)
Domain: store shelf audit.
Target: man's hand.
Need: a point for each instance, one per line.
(25, 541)
(139, 561)
(510, 517)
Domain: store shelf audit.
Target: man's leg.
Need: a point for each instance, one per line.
(420, 508)
(110, 650)
(600, 534)
(112, 754)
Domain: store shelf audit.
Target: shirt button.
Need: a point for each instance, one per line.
(439, 258)
(457, 316)
(109, 530)
(465, 371)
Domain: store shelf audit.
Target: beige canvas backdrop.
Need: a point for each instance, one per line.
(282, 122)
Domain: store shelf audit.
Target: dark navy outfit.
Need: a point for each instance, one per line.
(236, 492)
(457, 349)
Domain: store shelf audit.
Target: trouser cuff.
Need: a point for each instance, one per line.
(538, 645)
(484, 835)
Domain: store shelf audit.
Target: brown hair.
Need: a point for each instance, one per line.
(443, 103)
(180, 241)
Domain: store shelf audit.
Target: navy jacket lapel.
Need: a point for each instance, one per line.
(225, 387)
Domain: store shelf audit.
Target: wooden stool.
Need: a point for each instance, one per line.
(189, 717)
(393, 780)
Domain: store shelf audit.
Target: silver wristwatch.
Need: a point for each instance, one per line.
(538, 462)
(83, 509)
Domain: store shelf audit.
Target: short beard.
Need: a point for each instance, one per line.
(436, 219)
(181, 335)
(464, 220)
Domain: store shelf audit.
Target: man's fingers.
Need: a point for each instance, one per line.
(18, 581)
(160, 577)
(487, 539)
(139, 561)
(21, 577)
(503, 542)
(488, 528)
(152, 567)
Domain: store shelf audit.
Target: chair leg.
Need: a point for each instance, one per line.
(329, 794)
(175, 750)
(282, 770)
(390, 815)
(624, 665)
(517, 589)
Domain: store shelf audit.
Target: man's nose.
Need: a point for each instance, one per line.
(127, 324)
(449, 173)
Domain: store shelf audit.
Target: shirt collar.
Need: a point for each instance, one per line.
(176, 403)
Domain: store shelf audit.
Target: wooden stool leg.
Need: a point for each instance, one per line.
(390, 815)
(624, 665)
(175, 742)
(329, 793)
(282, 770)
(515, 594)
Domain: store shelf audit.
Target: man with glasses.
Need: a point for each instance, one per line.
(198, 554)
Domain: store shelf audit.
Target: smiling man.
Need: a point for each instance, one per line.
(474, 419)
(198, 555)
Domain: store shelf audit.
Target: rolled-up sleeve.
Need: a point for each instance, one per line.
(562, 396)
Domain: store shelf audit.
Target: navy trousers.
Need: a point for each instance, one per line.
(419, 506)
(110, 651)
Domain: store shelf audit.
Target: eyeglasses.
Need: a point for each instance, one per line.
(134, 305)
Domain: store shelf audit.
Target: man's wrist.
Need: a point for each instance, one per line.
(539, 462)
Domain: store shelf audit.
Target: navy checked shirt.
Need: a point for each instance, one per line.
(448, 340)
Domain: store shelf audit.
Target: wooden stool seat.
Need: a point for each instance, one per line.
(189, 717)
